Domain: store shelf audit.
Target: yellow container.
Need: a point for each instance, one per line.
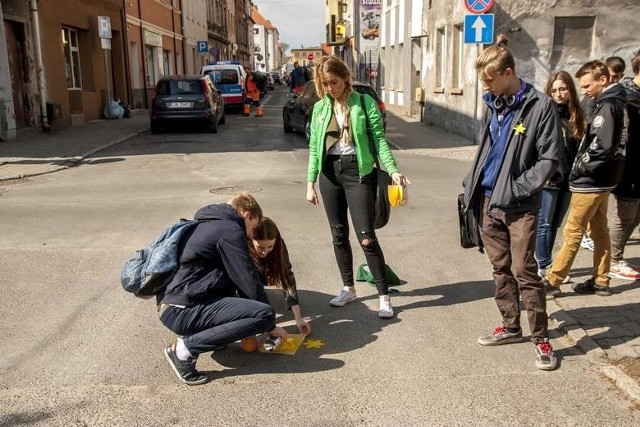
(397, 195)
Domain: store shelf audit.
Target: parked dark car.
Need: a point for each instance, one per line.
(296, 114)
(276, 77)
(185, 100)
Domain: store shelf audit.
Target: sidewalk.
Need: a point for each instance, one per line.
(37, 153)
(601, 326)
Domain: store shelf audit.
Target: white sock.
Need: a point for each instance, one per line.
(181, 350)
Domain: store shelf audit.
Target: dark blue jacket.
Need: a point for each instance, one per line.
(531, 157)
(215, 261)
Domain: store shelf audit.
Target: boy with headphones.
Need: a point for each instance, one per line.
(518, 151)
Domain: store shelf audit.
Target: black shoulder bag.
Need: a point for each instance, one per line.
(383, 179)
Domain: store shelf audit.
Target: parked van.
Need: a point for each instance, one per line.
(229, 76)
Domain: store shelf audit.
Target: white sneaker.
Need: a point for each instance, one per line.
(386, 310)
(567, 279)
(542, 272)
(586, 242)
(622, 270)
(346, 295)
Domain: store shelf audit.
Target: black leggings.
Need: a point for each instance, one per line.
(342, 189)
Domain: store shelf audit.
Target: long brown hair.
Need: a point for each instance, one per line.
(273, 266)
(576, 116)
(335, 66)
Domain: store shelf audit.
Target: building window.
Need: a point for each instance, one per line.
(71, 58)
(440, 58)
(572, 39)
(166, 63)
(150, 62)
(456, 58)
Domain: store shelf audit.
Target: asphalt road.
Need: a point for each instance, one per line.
(79, 351)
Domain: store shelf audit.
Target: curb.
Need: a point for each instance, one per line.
(73, 161)
(568, 325)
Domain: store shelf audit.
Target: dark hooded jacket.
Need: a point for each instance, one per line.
(531, 156)
(629, 186)
(215, 261)
(599, 163)
(560, 180)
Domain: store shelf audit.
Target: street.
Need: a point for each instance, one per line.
(79, 351)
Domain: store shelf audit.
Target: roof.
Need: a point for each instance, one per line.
(259, 19)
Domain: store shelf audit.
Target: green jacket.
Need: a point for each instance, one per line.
(322, 111)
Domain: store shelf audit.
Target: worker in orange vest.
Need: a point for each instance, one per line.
(251, 95)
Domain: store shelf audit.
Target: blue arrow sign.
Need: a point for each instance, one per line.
(478, 28)
(203, 46)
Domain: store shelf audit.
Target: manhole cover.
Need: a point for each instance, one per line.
(234, 190)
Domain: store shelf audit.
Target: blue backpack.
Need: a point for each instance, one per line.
(148, 271)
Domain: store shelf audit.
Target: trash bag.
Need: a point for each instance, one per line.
(113, 110)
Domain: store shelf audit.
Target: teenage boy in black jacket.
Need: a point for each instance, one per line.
(200, 304)
(518, 151)
(596, 171)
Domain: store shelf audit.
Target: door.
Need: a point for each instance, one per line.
(14, 32)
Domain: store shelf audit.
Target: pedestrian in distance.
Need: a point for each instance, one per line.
(251, 94)
(340, 157)
(200, 303)
(298, 78)
(555, 193)
(596, 171)
(519, 150)
(270, 254)
(626, 212)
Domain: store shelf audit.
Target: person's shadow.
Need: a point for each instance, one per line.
(335, 330)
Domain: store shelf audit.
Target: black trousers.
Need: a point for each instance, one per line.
(343, 190)
(219, 322)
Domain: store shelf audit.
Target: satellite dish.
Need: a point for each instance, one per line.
(260, 57)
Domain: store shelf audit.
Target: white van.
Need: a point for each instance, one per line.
(229, 77)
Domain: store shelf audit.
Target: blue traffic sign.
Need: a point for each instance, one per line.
(478, 6)
(203, 46)
(478, 28)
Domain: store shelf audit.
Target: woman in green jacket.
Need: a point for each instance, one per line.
(340, 156)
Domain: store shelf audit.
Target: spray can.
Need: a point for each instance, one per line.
(272, 343)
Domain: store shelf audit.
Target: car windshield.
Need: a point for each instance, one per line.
(181, 87)
(225, 76)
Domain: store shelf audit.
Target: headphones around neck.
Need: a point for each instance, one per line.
(511, 101)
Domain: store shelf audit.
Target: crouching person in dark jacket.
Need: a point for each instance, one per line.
(517, 153)
(201, 305)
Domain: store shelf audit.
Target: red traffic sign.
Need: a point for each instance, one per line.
(478, 6)
(310, 56)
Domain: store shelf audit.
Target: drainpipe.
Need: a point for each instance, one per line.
(127, 60)
(42, 86)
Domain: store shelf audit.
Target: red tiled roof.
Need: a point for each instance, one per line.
(259, 19)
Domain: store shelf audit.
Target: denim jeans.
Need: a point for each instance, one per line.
(554, 207)
(343, 190)
(221, 321)
(584, 209)
(509, 240)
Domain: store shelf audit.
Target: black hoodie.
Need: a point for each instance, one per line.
(215, 261)
(629, 185)
(600, 159)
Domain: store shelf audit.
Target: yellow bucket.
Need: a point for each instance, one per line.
(398, 195)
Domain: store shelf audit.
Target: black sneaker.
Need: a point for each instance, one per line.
(550, 290)
(184, 369)
(590, 287)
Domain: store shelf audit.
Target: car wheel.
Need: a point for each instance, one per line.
(155, 127)
(286, 125)
(307, 129)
